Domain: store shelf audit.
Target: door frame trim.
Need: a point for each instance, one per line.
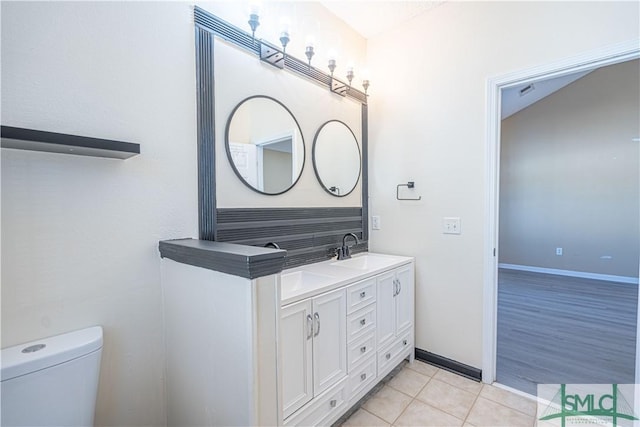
(609, 55)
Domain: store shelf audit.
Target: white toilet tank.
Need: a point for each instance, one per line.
(52, 381)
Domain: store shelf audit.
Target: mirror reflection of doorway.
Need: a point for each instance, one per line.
(568, 246)
(268, 165)
(264, 145)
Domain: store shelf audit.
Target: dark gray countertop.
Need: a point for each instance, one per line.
(239, 260)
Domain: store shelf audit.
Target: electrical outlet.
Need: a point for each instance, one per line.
(375, 222)
(451, 225)
(558, 251)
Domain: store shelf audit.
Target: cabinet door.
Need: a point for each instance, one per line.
(404, 299)
(296, 331)
(385, 306)
(329, 340)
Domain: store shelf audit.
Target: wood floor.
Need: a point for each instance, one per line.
(558, 329)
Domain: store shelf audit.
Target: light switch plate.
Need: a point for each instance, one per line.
(451, 225)
(375, 222)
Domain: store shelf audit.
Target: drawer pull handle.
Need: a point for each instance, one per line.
(388, 356)
(363, 377)
(333, 403)
(404, 342)
(363, 294)
(363, 322)
(363, 349)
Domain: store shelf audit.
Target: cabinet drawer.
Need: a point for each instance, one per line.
(393, 354)
(361, 294)
(361, 322)
(322, 410)
(360, 349)
(361, 378)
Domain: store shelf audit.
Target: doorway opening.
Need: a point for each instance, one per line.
(517, 271)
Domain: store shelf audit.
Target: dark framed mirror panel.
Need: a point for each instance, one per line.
(307, 234)
(265, 145)
(336, 158)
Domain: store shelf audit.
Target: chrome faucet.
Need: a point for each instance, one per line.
(343, 251)
(273, 245)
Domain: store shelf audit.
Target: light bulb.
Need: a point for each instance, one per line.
(255, 6)
(311, 41)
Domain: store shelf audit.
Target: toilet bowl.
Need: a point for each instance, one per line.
(52, 381)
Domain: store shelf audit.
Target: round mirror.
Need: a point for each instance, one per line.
(336, 158)
(264, 145)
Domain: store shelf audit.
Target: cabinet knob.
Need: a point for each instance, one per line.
(404, 342)
(363, 349)
(388, 356)
(333, 403)
(363, 294)
(363, 377)
(363, 322)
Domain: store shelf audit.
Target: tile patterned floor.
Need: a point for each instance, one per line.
(423, 395)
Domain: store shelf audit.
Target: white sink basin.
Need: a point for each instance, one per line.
(364, 262)
(301, 279)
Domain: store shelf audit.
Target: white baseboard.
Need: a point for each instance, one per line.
(571, 273)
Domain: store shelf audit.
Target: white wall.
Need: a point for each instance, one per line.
(80, 234)
(428, 125)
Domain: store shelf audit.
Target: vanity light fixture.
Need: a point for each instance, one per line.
(284, 35)
(308, 50)
(284, 39)
(254, 21)
(350, 74)
(365, 85)
(365, 80)
(332, 61)
(277, 56)
(332, 66)
(336, 85)
(254, 18)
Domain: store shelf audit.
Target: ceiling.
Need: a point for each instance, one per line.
(520, 97)
(370, 18)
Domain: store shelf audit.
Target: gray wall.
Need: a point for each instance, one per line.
(569, 177)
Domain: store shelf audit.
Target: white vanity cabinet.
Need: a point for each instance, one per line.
(314, 350)
(342, 337)
(395, 314)
(250, 344)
